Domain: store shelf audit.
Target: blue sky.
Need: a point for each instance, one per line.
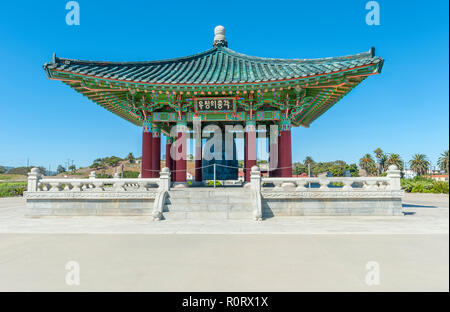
(403, 110)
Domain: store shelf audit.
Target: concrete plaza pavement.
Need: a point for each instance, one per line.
(278, 254)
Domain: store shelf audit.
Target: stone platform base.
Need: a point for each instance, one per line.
(89, 207)
(214, 203)
(331, 207)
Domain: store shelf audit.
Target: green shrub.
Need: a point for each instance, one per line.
(103, 176)
(77, 173)
(440, 187)
(130, 174)
(211, 183)
(407, 184)
(12, 189)
(424, 185)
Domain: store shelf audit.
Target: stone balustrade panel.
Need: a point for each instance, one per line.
(97, 185)
(334, 184)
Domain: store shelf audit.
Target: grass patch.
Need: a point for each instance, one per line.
(12, 177)
(11, 189)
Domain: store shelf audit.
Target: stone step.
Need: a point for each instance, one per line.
(207, 212)
(208, 200)
(209, 194)
(208, 207)
(206, 203)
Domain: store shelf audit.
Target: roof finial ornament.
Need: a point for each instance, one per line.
(219, 37)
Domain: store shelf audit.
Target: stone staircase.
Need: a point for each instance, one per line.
(208, 203)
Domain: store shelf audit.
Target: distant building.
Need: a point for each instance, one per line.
(440, 177)
(409, 174)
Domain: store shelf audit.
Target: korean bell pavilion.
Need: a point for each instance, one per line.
(218, 86)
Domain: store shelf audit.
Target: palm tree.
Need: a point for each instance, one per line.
(367, 163)
(419, 164)
(308, 161)
(378, 152)
(381, 159)
(394, 159)
(443, 161)
(130, 158)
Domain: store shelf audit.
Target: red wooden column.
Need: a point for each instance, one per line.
(169, 161)
(280, 157)
(274, 157)
(197, 138)
(156, 152)
(146, 161)
(174, 163)
(285, 142)
(250, 147)
(180, 160)
(198, 160)
(245, 155)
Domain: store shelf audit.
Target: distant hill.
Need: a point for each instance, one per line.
(7, 168)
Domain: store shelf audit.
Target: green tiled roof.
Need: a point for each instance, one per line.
(218, 65)
(164, 91)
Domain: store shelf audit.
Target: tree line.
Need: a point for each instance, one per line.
(419, 163)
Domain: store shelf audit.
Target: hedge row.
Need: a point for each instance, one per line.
(10, 189)
(422, 185)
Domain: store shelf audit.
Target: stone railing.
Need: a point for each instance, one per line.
(36, 184)
(350, 195)
(93, 188)
(336, 184)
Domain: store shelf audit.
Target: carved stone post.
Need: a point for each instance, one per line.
(33, 179)
(255, 181)
(394, 174)
(255, 177)
(163, 190)
(164, 179)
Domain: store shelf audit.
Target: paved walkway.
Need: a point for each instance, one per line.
(428, 214)
(308, 256)
(224, 262)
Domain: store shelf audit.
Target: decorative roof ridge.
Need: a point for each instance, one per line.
(61, 60)
(367, 54)
(217, 49)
